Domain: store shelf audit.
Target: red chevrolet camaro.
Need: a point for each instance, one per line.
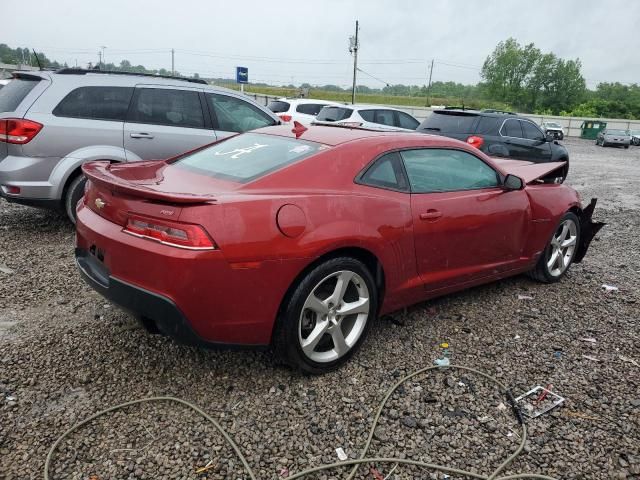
(301, 238)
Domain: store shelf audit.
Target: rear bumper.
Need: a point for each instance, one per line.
(31, 175)
(161, 310)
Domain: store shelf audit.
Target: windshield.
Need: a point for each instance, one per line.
(246, 157)
(616, 132)
(553, 125)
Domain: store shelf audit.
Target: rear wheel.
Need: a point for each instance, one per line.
(73, 194)
(327, 317)
(636, 141)
(560, 251)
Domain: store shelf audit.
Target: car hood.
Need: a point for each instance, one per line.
(527, 171)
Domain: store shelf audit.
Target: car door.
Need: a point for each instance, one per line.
(513, 139)
(465, 225)
(164, 121)
(538, 148)
(231, 114)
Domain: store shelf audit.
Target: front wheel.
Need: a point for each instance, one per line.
(327, 317)
(636, 141)
(560, 251)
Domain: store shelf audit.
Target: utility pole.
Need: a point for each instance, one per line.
(173, 64)
(429, 87)
(353, 48)
(102, 61)
(99, 59)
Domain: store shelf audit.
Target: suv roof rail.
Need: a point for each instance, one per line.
(493, 110)
(82, 71)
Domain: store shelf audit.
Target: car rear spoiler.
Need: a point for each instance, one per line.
(148, 173)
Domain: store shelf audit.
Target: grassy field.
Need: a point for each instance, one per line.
(377, 99)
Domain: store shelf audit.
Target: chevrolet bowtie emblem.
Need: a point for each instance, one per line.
(100, 203)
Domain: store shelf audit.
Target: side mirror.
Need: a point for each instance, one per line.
(511, 182)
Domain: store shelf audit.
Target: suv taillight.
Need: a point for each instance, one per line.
(181, 235)
(475, 141)
(18, 130)
(285, 118)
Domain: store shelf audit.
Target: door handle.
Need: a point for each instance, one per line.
(431, 214)
(141, 135)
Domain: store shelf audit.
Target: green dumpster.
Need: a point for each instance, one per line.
(590, 128)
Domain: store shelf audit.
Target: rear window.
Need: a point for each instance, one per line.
(244, 158)
(278, 106)
(310, 108)
(449, 123)
(616, 132)
(334, 114)
(14, 92)
(98, 103)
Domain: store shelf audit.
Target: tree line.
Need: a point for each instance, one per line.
(517, 77)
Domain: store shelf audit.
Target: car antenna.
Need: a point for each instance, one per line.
(37, 59)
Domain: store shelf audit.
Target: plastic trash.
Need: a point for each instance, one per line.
(557, 354)
(442, 362)
(341, 454)
(588, 339)
(609, 288)
(525, 297)
(589, 357)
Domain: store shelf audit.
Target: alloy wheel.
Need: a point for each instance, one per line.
(563, 246)
(334, 316)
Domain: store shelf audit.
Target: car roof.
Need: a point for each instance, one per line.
(308, 100)
(480, 113)
(333, 134)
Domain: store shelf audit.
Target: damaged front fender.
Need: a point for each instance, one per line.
(588, 229)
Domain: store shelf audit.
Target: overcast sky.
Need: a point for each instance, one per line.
(307, 41)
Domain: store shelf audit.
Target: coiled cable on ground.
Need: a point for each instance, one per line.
(354, 463)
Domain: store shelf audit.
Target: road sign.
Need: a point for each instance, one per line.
(242, 75)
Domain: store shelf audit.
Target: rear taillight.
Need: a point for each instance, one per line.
(181, 235)
(285, 118)
(18, 130)
(475, 141)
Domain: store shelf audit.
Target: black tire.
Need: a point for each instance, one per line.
(636, 141)
(542, 272)
(73, 194)
(288, 333)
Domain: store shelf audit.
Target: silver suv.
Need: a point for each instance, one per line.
(53, 122)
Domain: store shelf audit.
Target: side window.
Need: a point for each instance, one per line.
(99, 103)
(511, 128)
(159, 106)
(368, 115)
(232, 114)
(309, 108)
(386, 172)
(488, 126)
(439, 170)
(531, 131)
(385, 117)
(407, 121)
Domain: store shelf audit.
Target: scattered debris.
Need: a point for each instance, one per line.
(629, 360)
(376, 474)
(609, 288)
(538, 401)
(525, 297)
(580, 415)
(588, 339)
(210, 465)
(444, 345)
(284, 472)
(557, 354)
(589, 357)
(517, 337)
(502, 407)
(341, 454)
(6, 270)
(442, 362)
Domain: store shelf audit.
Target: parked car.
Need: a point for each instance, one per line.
(498, 134)
(554, 129)
(53, 122)
(300, 238)
(375, 116)
(635, 137)
(613, 137)
(302, 110)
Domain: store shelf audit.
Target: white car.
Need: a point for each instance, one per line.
(303, 110)
(372, 116)
(554, 129)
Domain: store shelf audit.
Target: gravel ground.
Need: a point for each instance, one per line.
(66, 354)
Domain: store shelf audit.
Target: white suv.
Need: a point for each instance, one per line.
(372, 116)
(303, 110)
